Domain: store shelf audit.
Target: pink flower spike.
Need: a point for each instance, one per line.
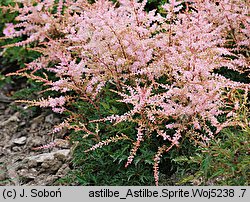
(9, 30)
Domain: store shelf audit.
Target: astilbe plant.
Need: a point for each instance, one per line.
(163, 67)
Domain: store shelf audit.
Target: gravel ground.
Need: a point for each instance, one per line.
(22, 130)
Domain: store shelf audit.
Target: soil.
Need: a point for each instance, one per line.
(21, 130)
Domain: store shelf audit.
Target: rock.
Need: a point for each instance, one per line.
(8, 111)
(2, 106)
(32, 163)
(36, 121)
(56, 120)
(23, 123)
(1, 153)
(42, 157)
(33, 126)
(3, 175)
(13, 118)
(64, 170)
(35, 141)
(28, 174)
(13, 176)
(20, 141)
(60, 157)
(49, 119)
(5, 99)
(63, 144)
(16, 149)
(51, 166)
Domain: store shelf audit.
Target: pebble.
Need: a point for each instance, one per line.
(20, 141)
(49, 119)
(16, 149)
(3, 175)
(13, 118)
(49, 156)
(28, 174)
(23, 123)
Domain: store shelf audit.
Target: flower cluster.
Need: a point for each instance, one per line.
(9, 29)
(164, 67)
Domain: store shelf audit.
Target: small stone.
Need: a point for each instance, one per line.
(28, 174)
(56, 120)
(49, 156)
(63, 170)
(64, 144)
(34, 126)
(2, 106)
(32, 163)
(8, 111)
(60, 157)
(1, 152)
(16, 149)
(36, 121)
(35, 141)
(49, 119)
(13, 118)
(20, 141)
(3, 175)
(53, 166)
(4, 98)
(23, 123)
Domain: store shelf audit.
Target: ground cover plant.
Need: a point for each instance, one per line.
(145, 86)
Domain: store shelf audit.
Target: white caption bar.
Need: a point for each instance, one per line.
(126, 193)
